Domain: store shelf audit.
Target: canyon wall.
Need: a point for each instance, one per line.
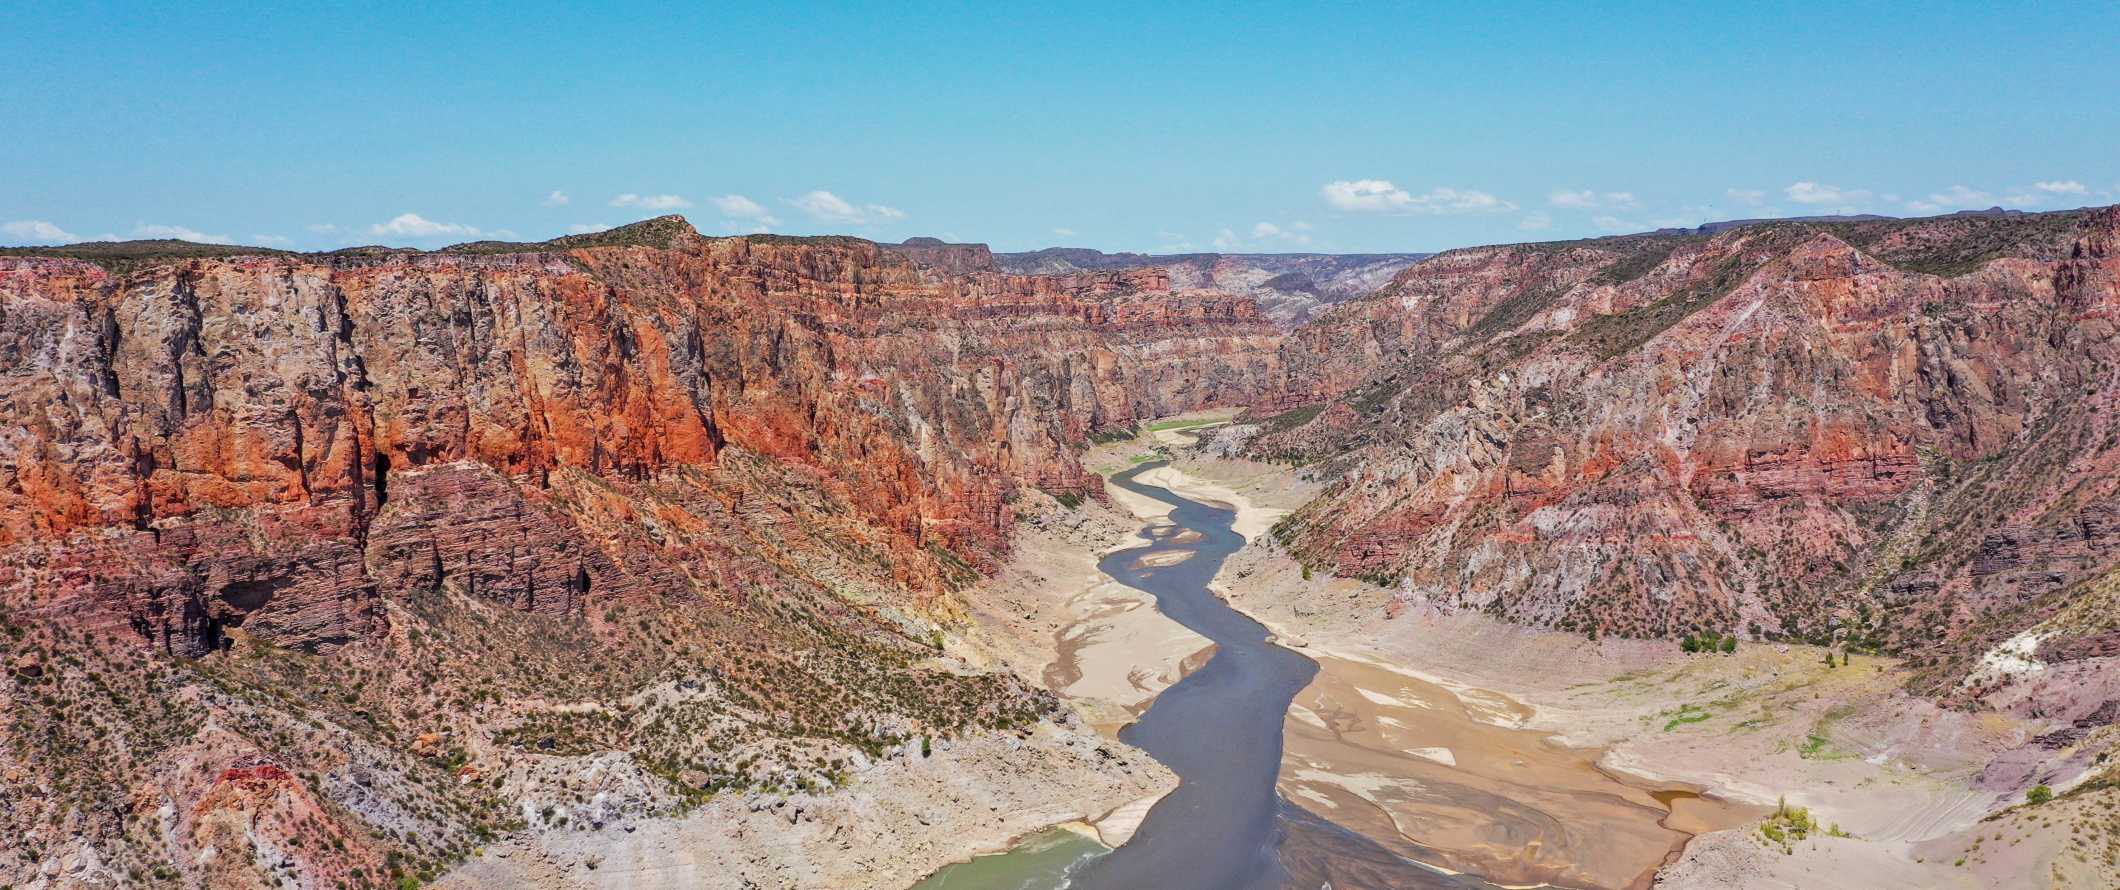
(1289, 287)
(261, 440)
(341, 563)
(1893, 434)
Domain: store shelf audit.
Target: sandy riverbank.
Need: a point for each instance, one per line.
(1049, 614)
(1769, 723)
(900, 820)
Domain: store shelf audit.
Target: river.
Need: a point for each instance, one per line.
(1220, 730)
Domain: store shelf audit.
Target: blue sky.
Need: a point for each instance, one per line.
(1264, 127)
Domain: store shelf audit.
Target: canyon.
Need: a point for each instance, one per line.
(1289, 288)
(649, 558)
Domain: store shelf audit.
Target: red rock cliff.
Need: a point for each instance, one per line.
(281, 441)
(1873, 432)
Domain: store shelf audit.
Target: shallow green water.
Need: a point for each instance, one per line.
(1041, 862)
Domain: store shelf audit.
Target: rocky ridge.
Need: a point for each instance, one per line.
(1288, 287)
(1890, 435)
(329, 567)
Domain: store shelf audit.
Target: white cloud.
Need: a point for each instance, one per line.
(744, 214)
(587, 228)
(2061, 187)
(1064, 232)
(1956, 197)
(1534, 222)
(1368, 195)
(1587, 199)
(1381, 196)
(556, 199)
(1611, 223)
(828, 207)
(739, 206)
(1747, 197)
(1808, 192)
(1227, 240)
(412, 225)
(651, 202)
(1292, 234)
(324, 228)
(272, 240)
(37, 231)
(181, 233)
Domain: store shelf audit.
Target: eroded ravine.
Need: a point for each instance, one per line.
(1506, 803)
(1219, 728)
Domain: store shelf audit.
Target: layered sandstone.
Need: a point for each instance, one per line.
(425, 541)
(1289, 287)
(1878, 433)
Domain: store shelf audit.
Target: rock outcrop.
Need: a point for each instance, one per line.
(475, 519)
(1893, 434)
(1289, 287)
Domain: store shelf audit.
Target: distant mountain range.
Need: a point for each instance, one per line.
(1289, 287)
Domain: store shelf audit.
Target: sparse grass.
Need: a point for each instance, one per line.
(1290, 419)
(1185, 423)
(1789, 825)
(1686, 714)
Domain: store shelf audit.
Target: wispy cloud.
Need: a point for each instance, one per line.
(1293, 233)
(181, 233)
(1956, 197)
(2061, 187)
(1064, 232)
(1381, 196)
(1609, 223)
(587, 228)
(651, 202)
(37, 231)
(827, 207)
(1587, 199)
(1747, 197)
(413, 225)
(1535, 222)
(744, 213)
(272, 240)
(1809, 192)
(556, 199)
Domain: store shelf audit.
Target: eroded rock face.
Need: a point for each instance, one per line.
(331, 567)
(276, 442)
(1290, 288)
(1875, 432)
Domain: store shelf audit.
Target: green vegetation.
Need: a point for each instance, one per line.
(1069, 499)
(1642, 260)
(1708, 642)
(1610, 336)
(1813, 747)
(1185, 424)
(1686, 714)
(1290, 419)
(1975, 241)
(2038, 795)
(122, 257)
(1790, 824)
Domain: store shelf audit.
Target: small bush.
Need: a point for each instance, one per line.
(2038, 795)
